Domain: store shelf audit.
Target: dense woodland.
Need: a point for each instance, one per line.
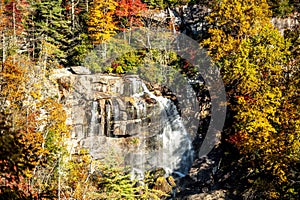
(259, 67)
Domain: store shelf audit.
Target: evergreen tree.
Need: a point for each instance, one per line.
(79, 43)
(281, 8)
(48, 32)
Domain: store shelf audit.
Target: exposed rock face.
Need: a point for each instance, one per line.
(213, 195)
(286, 23)
(90, 99)
(191, 19)
(188, 19)
(118, 115)
(80, 70)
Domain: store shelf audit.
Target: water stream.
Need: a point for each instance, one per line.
(172, 149)
(135, 113)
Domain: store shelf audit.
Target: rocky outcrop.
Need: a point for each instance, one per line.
(188, 19)
(101, 108)
(118, 115)
(213, 195)
(289, 22)
(191, 20)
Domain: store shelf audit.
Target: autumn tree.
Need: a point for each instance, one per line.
(252, 56)
(13, 15)
(2, 31)
(88, 178)
(101, 24)
(17, 156)
(32, 130)
(129, 12)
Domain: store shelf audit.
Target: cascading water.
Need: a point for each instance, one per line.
(108, 119)
(94, 125)
(166, 143)
(131, 121)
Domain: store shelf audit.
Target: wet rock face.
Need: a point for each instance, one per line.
(118, 114)
(103, 105)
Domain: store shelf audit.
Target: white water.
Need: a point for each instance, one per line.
(175, 154)
(163, 139)
(93, 123)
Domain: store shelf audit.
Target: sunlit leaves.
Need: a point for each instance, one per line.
(32, 127)
(86, 178)
(129, 12)
(253, 58)
(101, 24)
(232, 21)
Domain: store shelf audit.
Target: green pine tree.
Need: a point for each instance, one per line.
(48, 32)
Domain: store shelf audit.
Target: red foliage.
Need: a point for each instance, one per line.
(236, 138)
(130, 10)
(17, 187)
(15, 12)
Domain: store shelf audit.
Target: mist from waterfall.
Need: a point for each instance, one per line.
(134, 113)
(173, 150)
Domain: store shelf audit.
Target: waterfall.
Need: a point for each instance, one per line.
(133, 123)
(94, 125)
(173, 147)
(108, 119)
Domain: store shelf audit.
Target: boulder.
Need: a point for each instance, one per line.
(80, 70)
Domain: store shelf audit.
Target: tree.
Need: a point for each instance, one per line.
(101, 24)
(32, 130)
(129, 12)
(3, 24)
(48, 32)
(87, 178)
(281, 8)
(232, 21)
(20, 144)
(163, 4)
(79, 44)
(13, 14)
(252, 56)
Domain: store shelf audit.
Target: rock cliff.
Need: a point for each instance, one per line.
(119, 116)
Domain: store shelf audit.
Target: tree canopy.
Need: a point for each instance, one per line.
(259, 66)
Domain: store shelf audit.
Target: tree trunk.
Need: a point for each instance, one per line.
(87, 5)
(73, 14)
(14, 29)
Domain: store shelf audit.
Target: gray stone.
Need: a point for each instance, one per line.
(111, 114)
(80, 70)
(213, 195)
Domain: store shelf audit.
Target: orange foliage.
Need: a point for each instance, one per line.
(129, 12)
(32, 127)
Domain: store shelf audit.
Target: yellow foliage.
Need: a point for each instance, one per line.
(234, 20)
(101, 24)
(253, 57)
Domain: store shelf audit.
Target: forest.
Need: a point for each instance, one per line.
(258, 62)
